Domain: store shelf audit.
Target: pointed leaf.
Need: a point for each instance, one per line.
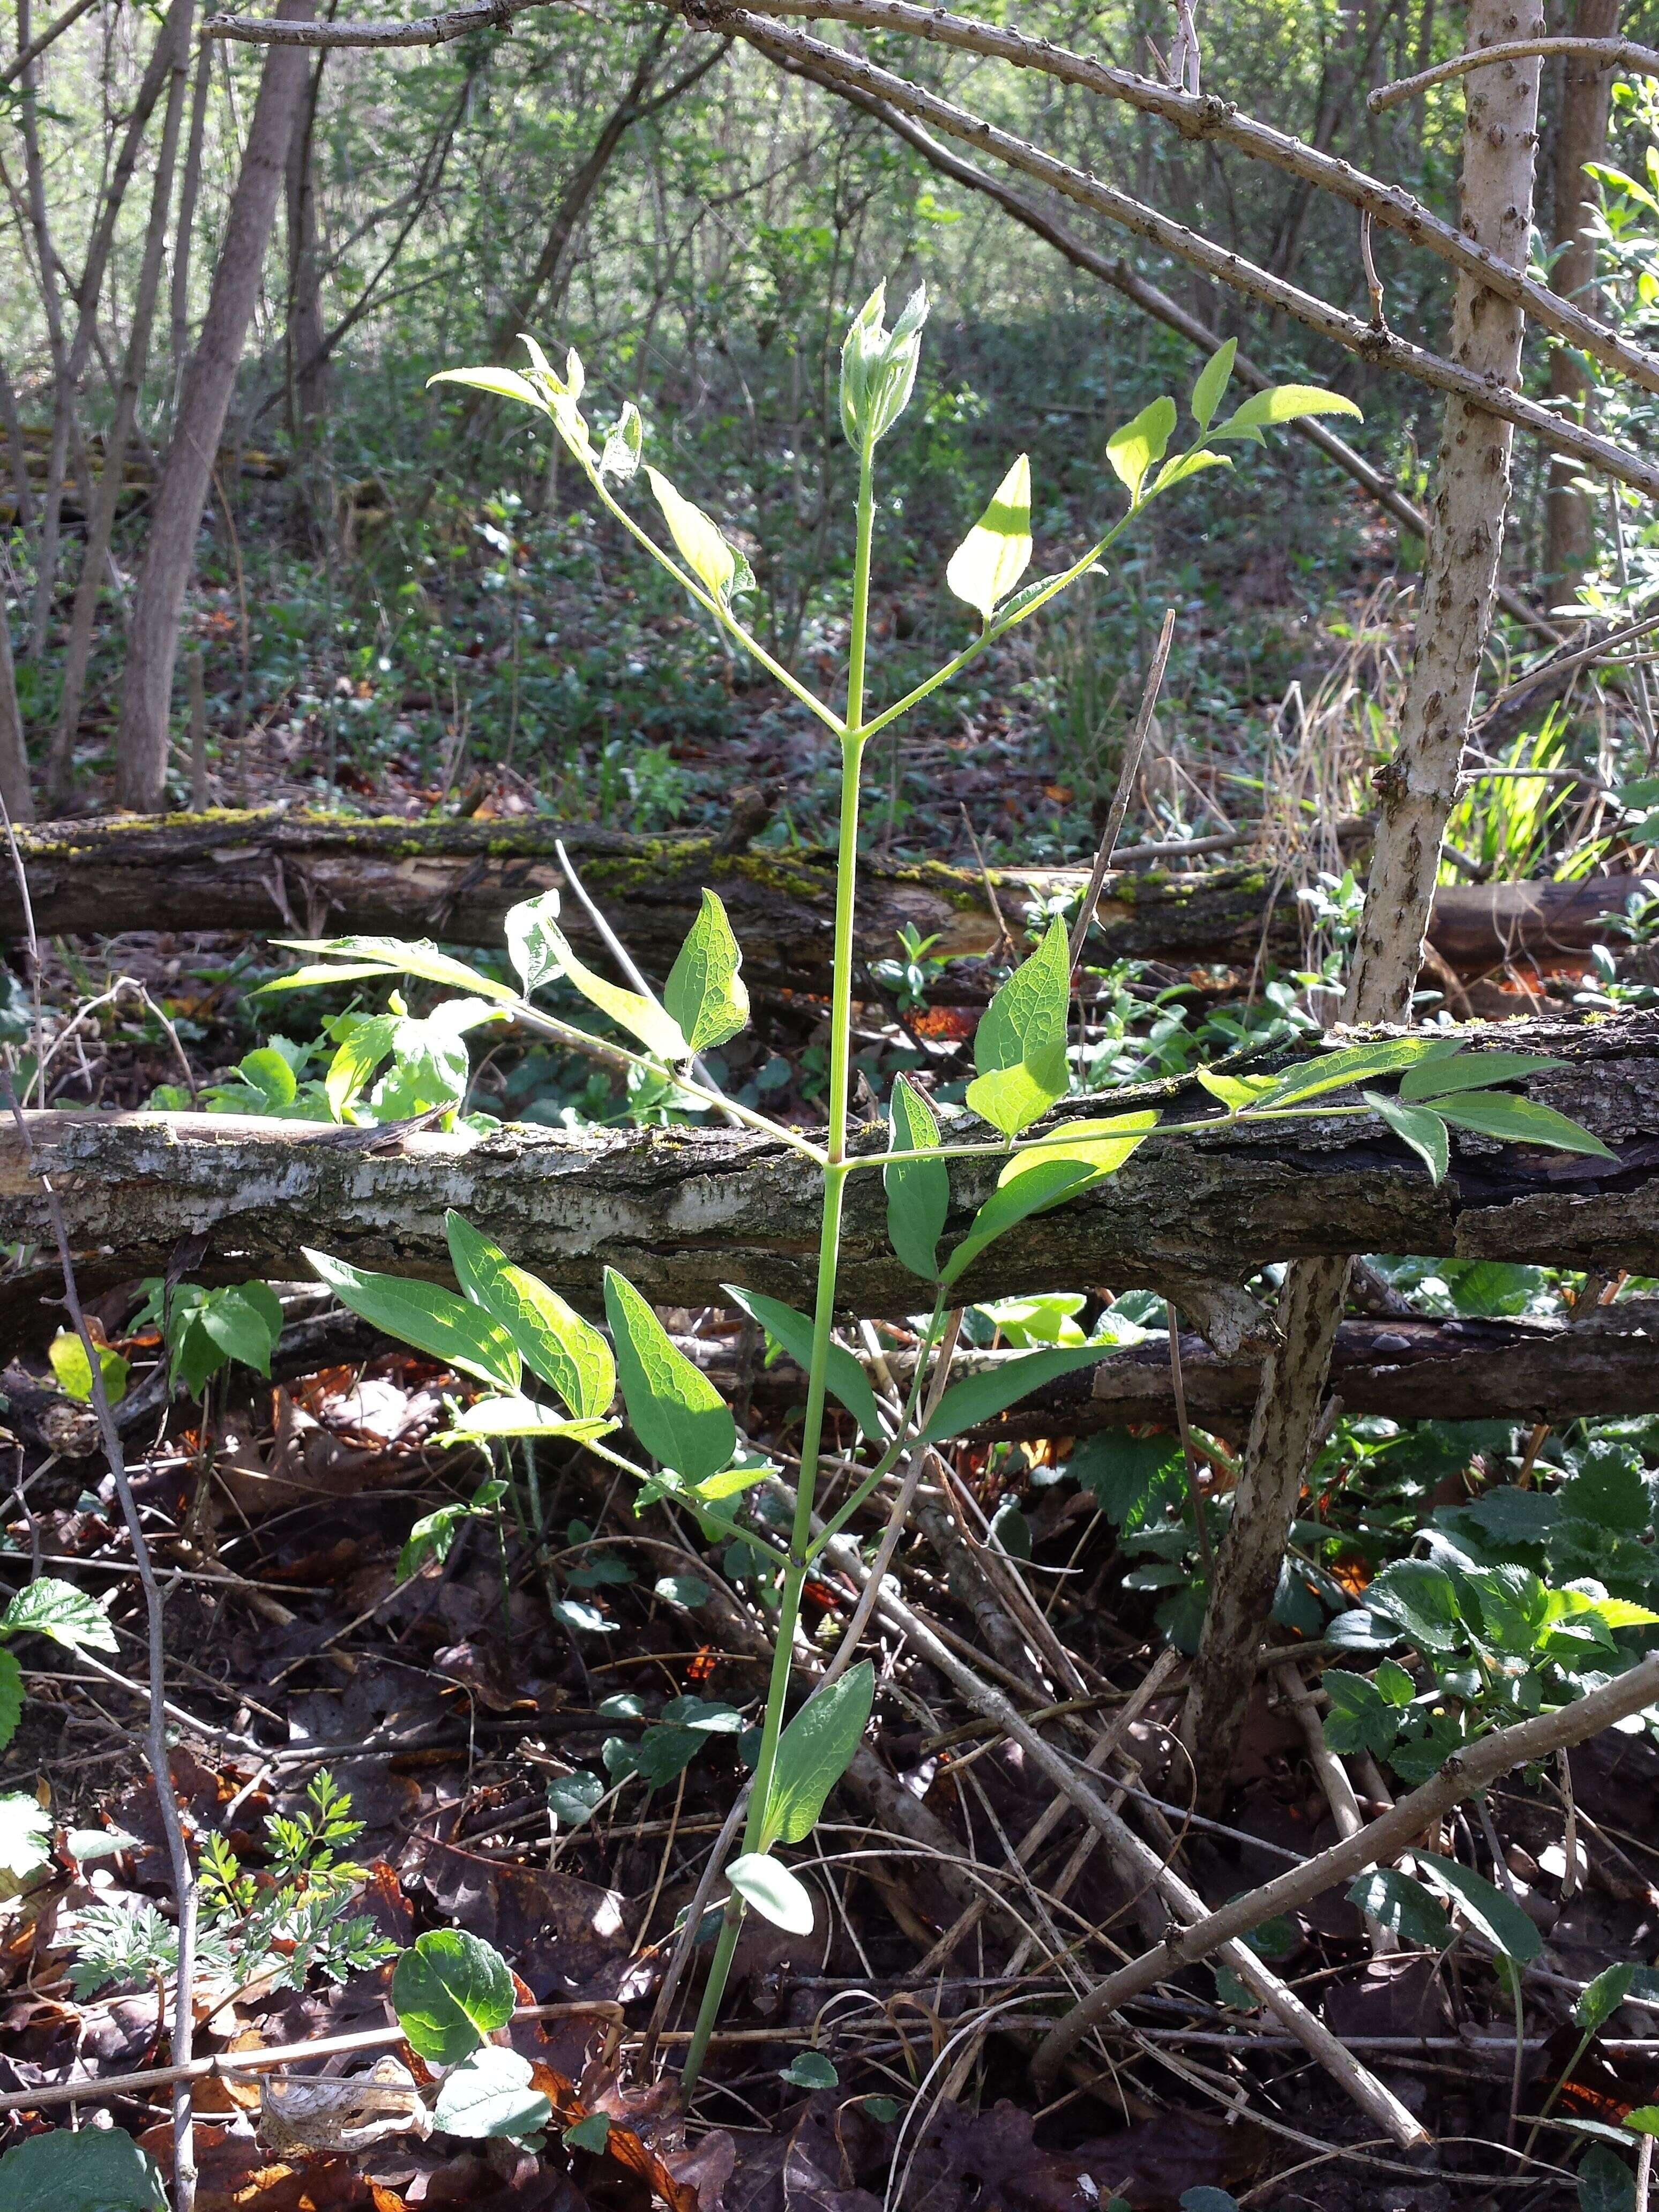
(1212, 379)
(705, 992)
(1022, 1039)
(1402, 1905)
(997, 551)
(1416, 1125)
(918, 1191)
(1497, 1918)
(523, 1417)
(1520, 1122)
(1133, 450)
(435, 1321)
(505, 383)
(981, 1397)
(1350, 1064)
(1444, 1072)
(540, 948)
(843, 1377)
(1077, 1155)
(1602, 1997)
(1285, 402)
(775, 1894)
(568, 1353)
(704, 549)
(673, 1408)
(393, 957)
(815, 1750)
(623, 449)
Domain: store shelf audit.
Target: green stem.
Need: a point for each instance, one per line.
(834, 1183)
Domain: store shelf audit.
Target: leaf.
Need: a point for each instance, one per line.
(268, 1072)
(717, 564)
(1360, 1718)
(1606, 2184)
(624, 445)
(673, 1408)
(11, 1695)
(554, 1342)
(592, 2133)
(775, 1894)
(25, 1835)
(1424, 1132)
(918, 1191)
(47, 1606)
(814, 1751)
(879, 367)
(705, 993)
(980, 1397)
(687, 1590)
(1133, 449)
(489, 2093)
(1285, 402)
(392, 956)
(1212, 379)
(1521, 1121)
(1402, 1905)
(450, 1991)
(997, 551)
(843, 1377)
(1020, 1047)
(1077, 1156)
(540, 948)
(1336, 1071)
(432, 1320)
(505, 383)
(1643, 2119)
(70, 1365)
(809, 2069)
(241, 1326)
(572, 1799)
(1494, 1916)
(1438, 1076)
(1421, 1602)
(81, 2170)
(523, 1417)
(1602, 1997)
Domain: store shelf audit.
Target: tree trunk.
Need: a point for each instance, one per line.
(1581, 136)
(683, 1210)
(14, 754)
(203, 402)
(305, 358)
(293, 875)
(1417, 788)
(189, 190)
(100, 523)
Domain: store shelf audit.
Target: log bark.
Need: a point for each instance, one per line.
(273, 874)
(683, 1210)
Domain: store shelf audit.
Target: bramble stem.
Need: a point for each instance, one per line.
(834, 1183)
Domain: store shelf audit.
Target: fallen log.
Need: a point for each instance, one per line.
(683, 1210)
(288, 875)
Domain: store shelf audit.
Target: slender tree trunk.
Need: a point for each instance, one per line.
(203, 402)
(306, 362)
(1417, 788)
(1581, 136)
(17, 458)
(62, 376)
(13, 757)
(189, 191)
(101, 520)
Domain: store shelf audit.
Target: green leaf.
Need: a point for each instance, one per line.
(997, 551)
(1602, 1997)
(47, 1606)
(1421, 1600)
(568, 1353)
(572, 1799)
(25, 1835)
(1285, 402)
(505, 383)
(522, 1416)
(1402, 1905)
(1069, 1161)
(432, 1537)
(918, 1191)
(390, 956)
(815, 1750)
(1360, 1718)
(843, 1377)
(1606, 2184)
(623, 447)
(241, 1328)
(70, 1364)
(266, 1072)
(1336, 1071)
(11, 1695)
(1521, 1121)
(809, 2069)
(81, 2170)
(673, 1408)
(1416, 1125)
(432, 1320)
(1020, 1047)
(1643, 2120)
(687, 1590)
(1442, 1074)
(1133, 449)
(705, 992)
(718, 565)
(489, 2094)
(540, 948)
(1180, 466)
(879, 367)
(1487, 1908)
(775, 1894)
(450, 1991)
(591, 2134)
(1212, 380)
(981, 1397)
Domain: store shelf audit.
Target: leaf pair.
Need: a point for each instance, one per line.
(814, 1751)
(1453, 1088)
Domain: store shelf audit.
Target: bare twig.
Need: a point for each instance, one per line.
(36, 47)
(1205, 1554)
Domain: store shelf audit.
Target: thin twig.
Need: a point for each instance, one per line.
(1611, 53)
(1205, 1553)
(1126, 777)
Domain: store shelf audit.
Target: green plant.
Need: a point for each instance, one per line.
(204, 1330)
(46, 1607)
(505, 1320)
(81, 2170)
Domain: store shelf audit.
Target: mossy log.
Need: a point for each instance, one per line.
(683, 1210)
(293, 875)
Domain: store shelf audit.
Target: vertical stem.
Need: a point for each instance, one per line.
(834, 1183)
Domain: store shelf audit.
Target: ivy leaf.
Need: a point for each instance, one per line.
(843, 1377)
(705, 993)
(997, 551)
(435, 1321)
(572, 1799)
(1020, 1047)
(673, 1408)
(554, 1342)
(918, 1191)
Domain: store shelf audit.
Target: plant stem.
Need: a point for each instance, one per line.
(834, 1184)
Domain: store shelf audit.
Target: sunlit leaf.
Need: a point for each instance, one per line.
(1212, 379)
(843, 1377)
(540, 948)
(1138, 445)
(814, 1751)
(435, 1321)
(704, 992)
(1020, 1047)
(918, 1191)
(1416, 1125)
(673, 1408)
(568, 1353)
(775, 1894)
(997, 551)
(981, 1397)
